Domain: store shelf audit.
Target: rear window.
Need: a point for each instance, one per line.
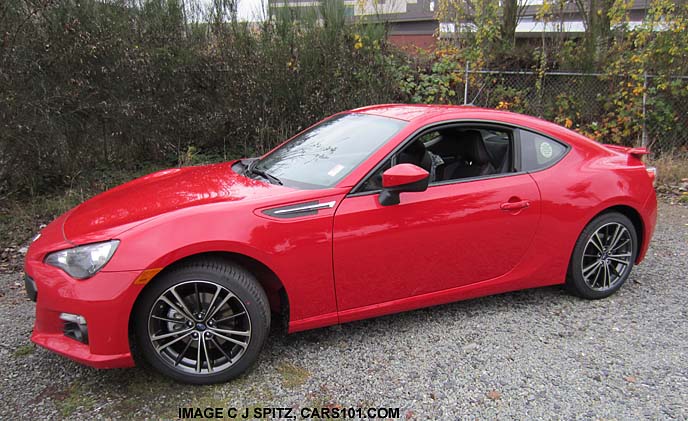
(538, 152)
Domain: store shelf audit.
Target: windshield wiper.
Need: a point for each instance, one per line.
(271, 178)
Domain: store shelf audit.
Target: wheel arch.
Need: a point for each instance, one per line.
(632, 214)
(268, 279)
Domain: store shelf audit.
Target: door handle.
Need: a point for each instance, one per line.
(508, 206)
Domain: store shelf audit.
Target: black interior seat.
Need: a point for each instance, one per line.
(475, 159)
(498, 149)
(416, 154)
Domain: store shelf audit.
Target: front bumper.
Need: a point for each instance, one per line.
(105, 301)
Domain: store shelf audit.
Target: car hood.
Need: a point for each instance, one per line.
(123, 207)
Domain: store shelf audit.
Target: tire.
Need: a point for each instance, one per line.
(231, 320)
(603, 256)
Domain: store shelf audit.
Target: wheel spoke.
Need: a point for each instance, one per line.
(205, 351)
(230, 317)
(587, 270)
(618, 233)
(230, 332)
(180, 357)
(174, 341)
(189, 314)
(607, 276)
(198, 299)
(198, 354)
(174, 307)
(167, 335)
(219, 306)
(217, 293)
(597, 276)
(618, 246)
(166, 319)
(620, 255)
(623, 262)
(598, 244)
(232, 340)
(221, 350)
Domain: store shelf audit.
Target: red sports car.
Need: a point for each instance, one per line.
(372, 211)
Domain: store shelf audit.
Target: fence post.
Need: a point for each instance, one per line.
(643, 140)
(465, 86)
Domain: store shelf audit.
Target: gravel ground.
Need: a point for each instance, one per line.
(530, 354)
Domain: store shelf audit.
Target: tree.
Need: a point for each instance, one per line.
(512, 12)
(477, 26)
(596, 18)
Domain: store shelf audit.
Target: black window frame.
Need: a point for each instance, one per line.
(566, 146)
(516, 157)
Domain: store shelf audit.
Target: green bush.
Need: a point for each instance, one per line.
(86, 83)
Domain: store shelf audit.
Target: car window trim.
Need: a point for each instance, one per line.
(517, 159)
(434, 126)
(566, 146)
(427, 129)
(448, 182)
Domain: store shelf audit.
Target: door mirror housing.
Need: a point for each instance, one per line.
(402, 178)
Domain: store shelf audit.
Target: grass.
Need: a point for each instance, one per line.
(73, 398)
(671, 167)
(24, 350)
(292, 375)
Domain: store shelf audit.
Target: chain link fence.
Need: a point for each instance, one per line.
(592, 103)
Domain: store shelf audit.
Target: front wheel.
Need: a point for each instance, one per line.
(603, 257)
(203, 322)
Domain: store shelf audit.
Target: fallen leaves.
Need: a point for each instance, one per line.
(630, 379)
(494, 395)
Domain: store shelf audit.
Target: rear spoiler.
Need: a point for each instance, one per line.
(636, 152)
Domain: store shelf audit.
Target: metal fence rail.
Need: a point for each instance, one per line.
(581, 101)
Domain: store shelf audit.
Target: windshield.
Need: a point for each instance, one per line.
(325, 154)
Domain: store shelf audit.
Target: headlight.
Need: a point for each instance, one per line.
(84, 261)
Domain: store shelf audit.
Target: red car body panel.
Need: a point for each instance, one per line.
(432, 241)
(355, 260)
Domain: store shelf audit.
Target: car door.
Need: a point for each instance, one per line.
(451, 235)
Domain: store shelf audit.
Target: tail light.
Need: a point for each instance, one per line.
(652, 172)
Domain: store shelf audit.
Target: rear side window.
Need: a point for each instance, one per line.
(538, 152)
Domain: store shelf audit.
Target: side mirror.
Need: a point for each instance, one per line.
(402, 178)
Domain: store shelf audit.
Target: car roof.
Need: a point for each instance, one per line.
(409, 112)
(421, 113)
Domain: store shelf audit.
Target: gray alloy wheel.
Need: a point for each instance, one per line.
(607, 256)
(199, 327)
(201, 322)
(603, 256)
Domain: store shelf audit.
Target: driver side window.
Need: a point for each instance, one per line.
(454, 153)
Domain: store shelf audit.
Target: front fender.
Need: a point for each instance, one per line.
(298, 251)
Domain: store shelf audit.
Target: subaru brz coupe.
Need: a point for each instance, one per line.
(377, 210)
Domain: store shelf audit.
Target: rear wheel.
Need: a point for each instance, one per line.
(603, 257)
(203, 322)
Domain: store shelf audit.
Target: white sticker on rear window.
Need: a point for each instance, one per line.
(335, 170)
(546, 149)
